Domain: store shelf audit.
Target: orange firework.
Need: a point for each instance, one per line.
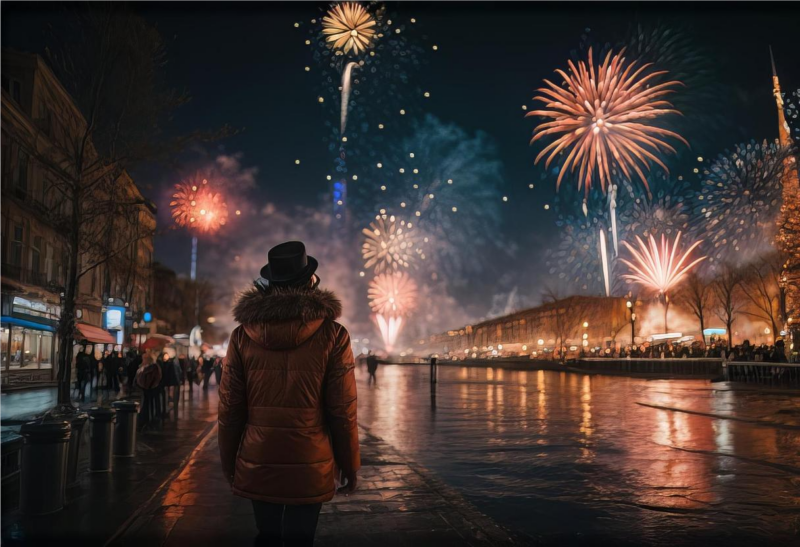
(604, 114)
(197, 207)
(393, 294)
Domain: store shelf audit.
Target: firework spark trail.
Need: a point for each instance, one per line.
(389, 328)
(604, 258)
(602, 116)
(346, 94)
(657, 268)
(612, 209)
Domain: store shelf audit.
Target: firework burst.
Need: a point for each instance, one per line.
(740, 201)
(389, 244)
(666, 210)
(196, 207)
(792, 112)
(577, 259)
(446, 182)
(348, 26)
(393, 295)
(604, 115)
(656, 268)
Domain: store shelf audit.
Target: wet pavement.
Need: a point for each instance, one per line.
(571, 459)
(104, 502)
(396, 504)
(556, 458)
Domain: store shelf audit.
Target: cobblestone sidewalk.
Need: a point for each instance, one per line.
(397, 504)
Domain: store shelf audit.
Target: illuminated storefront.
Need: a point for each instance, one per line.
(27, 340)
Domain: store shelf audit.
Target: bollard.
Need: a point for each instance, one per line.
(44, 466)
(125, 429)
(78, 421)
(101, 435)
(434, 370)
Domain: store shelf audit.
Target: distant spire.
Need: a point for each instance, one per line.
(784, 133)
(772, 60)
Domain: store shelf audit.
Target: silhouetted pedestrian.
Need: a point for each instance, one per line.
(372, 368)
(288, 381)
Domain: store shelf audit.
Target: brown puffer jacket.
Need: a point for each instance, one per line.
(287, 401)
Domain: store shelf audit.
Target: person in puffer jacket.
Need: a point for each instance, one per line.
(287, 401)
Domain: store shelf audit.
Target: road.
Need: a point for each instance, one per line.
(576, 459)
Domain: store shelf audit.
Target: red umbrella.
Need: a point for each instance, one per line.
(157, 341)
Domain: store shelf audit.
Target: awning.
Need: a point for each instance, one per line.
(26, 323)
(94, 334)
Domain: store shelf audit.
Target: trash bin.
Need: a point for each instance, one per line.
(125, 429)
(77, 422)
(44, 466)
(101, 436)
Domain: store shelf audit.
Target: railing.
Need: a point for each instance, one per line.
(25, 275)
(707, 367)
(785, 374)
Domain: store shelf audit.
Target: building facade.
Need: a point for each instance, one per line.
(36, 112)
(573, 324)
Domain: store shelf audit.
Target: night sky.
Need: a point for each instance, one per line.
(243, 65)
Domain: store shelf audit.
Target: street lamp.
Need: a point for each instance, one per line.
(630, 305)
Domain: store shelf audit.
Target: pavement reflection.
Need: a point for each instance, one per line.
(575, 458)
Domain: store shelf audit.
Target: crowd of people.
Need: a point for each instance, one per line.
(743, 352)
(157, 375)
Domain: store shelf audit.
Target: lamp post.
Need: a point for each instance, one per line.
(630, 305)
(585, 341)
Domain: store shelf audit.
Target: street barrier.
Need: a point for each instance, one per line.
(44, 465)
(125, 428)
(77, 422)
(101, 435)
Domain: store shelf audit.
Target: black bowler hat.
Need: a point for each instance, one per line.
(288, 264)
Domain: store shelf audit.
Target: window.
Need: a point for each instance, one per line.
(13, 87)
(48, 263)
(36, 258)
(21, 173)
(46, 347)
(30, 353)
(5, 343)
(17, 246)
(15, 349)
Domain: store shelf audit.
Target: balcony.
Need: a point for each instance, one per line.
(30, 277)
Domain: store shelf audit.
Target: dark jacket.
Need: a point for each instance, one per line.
(287, 403)
(170, 376)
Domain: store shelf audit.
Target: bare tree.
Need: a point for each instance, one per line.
(696, 295)
(111, 64)
(568, 316)
(762, 288)
(727, 287)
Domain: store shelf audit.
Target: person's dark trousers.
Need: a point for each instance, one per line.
(206, 379)
(149, 407)
(285, 525)
(162, 402)
(82, 381)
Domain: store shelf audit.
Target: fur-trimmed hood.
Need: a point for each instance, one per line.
(282, 318)
(277, 305)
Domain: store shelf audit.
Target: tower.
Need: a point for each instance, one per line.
(788, 223)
